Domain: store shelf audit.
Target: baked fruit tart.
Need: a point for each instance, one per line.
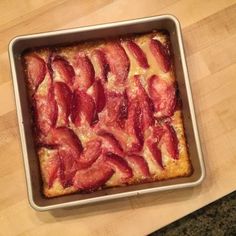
(106, 113)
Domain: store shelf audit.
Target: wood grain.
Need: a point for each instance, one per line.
(209, 32)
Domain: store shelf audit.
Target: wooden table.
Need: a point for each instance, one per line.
(209, 32)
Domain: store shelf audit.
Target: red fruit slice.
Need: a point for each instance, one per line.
(90, 154)
(134, 126)
(113, 106)
(161, 54)
(123, 110)
(117, 60)
(167, 138)
(83, 108)
(52, 167)
(36, 70)
(71, 157)
(110, 143)
(170, 141)
(156, 152)
(100, 64)
(67, 139)
(64, 69)
(118, 133)
(63, 96)
(69, 149)
(92, 178)
(86, 74)
(71, 161)
(158, 132)
(75, 108)
(116, 109)
(138, 126)
(163, 94)
(45, 106)
(138, 54)
(99, 95)
(138, 164)
(68, 166)
(117, 163)
(145, 104)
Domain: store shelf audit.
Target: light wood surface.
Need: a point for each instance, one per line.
(209, 32)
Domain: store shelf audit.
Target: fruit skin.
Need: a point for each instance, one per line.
(146, 104)
(140, 115)
(69, 149)
(63, 96)
(92, 178)
(86, 74)
(123, 110)
(161, 54)
(44, 106)
(68, 167)
(139, 163)
(138, 54)
(51, 168)
(101, 65)
(170, 141)
(99, 95)
(72, 157)
(36, 70)
(118, 61)
(163, 94)
(90, 154)
(116, 106)
(133, 126)
(70, 163)
(110, 143)
(156, 152)
(118, 163)
(66, 138)
(83, 108)
(166, 137)
(66, 71)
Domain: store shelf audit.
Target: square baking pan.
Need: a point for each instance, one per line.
(33, 178)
